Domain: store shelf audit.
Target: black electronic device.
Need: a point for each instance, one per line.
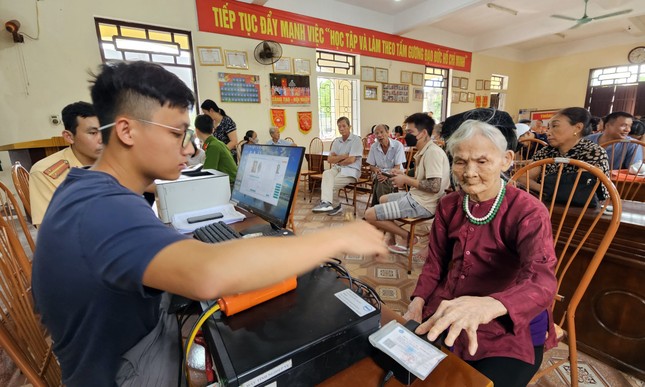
(297, 339)
(205, 217)
(266, 183)
(216, 232)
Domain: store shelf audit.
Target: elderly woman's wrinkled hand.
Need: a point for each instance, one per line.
(462, 313)
(415, 310)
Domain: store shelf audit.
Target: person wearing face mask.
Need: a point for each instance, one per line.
(431, 179)
(617, 126)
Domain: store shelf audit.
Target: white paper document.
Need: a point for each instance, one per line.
(230, 215)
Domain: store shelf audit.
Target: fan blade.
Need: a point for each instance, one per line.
(576, 26)
(564, 17)
(611, 14)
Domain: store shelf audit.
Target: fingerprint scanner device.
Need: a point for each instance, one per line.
(299, 338)
(266, 183)
(210, 188)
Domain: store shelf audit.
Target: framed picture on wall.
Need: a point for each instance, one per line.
(479, 84)
(417, 79)
(486, 85)
(367, 74)
(463, 84)
(381, 75)
(406, 76)
(236, 60)
(210, 56)
(417, 93)
(301, 66)
(471, 97)
(463, 96)
(395, 92)
(370, 92)
(455, 97)
(282, 65)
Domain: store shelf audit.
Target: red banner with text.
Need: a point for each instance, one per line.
(264, 23)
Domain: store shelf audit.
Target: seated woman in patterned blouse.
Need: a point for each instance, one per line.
(565, 137)
(488, 279)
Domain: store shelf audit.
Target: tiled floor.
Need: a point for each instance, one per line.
(389, 277)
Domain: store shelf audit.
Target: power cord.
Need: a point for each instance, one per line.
(196, 327)
(387, 377)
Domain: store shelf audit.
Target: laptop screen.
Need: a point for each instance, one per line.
(266, 181)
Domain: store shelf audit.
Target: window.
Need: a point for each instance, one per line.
(498, 83)
(617, 88)
(119, 41)
(337, 96)
(435, 92)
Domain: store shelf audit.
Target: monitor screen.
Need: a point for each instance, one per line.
(266, 181)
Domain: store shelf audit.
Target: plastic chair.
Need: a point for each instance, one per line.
(626, 183)
(572, 227)
(20, 177)
(21, 334)
(11, 213)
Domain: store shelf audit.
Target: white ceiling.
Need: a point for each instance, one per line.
(472, 25)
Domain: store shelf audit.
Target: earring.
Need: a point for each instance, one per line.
(575, 133)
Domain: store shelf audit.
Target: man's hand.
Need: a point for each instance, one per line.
(415, 310)
(462, 313)
(400, 180)
(357, 238)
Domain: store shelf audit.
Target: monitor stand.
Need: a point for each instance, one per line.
(266, 229)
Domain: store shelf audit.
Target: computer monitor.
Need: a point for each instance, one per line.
(266, 181)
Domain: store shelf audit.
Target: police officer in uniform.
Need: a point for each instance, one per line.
(85, 146)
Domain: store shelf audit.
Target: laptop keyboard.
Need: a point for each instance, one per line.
(216, 232)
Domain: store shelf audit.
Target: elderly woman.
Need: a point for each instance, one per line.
(565, 137)
(385, 154)
(489, 276)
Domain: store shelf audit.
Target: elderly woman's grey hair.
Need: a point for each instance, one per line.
(471, 128)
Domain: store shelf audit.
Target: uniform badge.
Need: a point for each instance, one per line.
(57, 169)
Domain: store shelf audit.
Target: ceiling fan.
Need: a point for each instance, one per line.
(586, 19)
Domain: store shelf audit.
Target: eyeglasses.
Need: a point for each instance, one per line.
(188, 133)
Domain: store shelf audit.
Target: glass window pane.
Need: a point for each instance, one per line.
(163, 58)
(110, 52)
(609, 70)
(107, 31)
(608, 82)
(160, 35)
(596, 73)
(137, 56)
(133, 32)
(185, 74)
(184, 58)
(183, 41)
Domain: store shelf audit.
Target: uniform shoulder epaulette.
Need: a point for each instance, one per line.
(57, 169)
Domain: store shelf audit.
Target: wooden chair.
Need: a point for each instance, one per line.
(628, 186)
(316, 148)
(290, 140)
(571, 233)
(11, 213)
(21, 334)
(364, 183)
(412, 223)
(20, 177)
(317, 177)
(531, 145)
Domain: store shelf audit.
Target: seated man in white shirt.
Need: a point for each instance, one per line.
(345, 156)
(430, 181)
(385, 154)
(275, 137)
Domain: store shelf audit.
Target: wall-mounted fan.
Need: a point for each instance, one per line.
(267, 52)
(586, 19)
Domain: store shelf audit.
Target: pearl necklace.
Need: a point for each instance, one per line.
(491, 213)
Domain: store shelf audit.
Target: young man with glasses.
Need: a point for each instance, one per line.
(84, 139)
(98, 288)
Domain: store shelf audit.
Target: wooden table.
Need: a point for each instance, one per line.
(451, 372)
(29, 152)
(609, 319)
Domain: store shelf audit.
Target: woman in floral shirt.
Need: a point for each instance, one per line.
(225, 129)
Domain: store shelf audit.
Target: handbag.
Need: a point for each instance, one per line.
(582, 191)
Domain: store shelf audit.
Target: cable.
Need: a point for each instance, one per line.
(37, 23)
(196, 327)
(387, 377)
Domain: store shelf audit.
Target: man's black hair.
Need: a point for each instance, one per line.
(421, 121)
(74, 110)
(136, 89)
(204, 123)
(612, 116)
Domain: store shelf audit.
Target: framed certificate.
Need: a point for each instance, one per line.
(479, 84)
(210, 56)
(282, 65)
(367, 74)
(406, 77)
(301, 66)
(236, 60)
(370, 92)
(464, 83)
(381, 75)
(417, 79)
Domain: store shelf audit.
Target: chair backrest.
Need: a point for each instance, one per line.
(21, 334)
(530, 146)
(289, 139)
(573, 226)
(20, 177)
(623, 154)
(238, 147)
(11, 213)
(365, 144)
(316, 147)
